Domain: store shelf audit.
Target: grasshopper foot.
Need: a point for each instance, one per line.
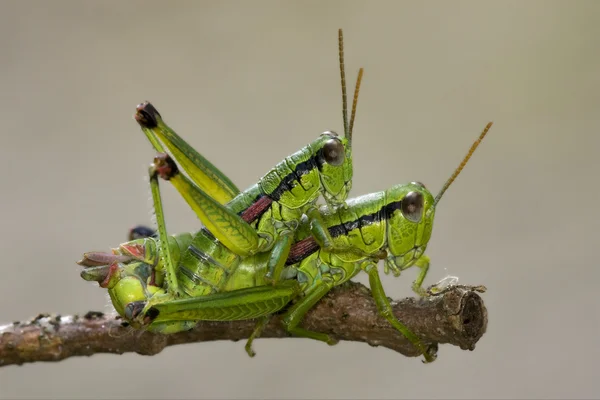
(430, 354)
(249, 350)
(443, 285)
(331, 340)
(418, 289)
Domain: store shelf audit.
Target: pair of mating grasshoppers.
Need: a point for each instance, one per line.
(269, 247)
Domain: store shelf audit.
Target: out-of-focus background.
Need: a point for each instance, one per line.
(248, 83)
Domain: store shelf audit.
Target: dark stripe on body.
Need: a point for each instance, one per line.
(195, 278)
(305, 247)
(262, 203)
(287, 181)
(382, 214)
(202, 256)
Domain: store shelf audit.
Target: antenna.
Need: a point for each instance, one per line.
(462, 164)
(343, 79)
(354, 103)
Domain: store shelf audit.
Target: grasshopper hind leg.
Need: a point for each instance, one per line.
(203, 172)
(228, 227)
(164, 249)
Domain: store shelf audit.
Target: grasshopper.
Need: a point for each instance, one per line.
(220, 285)
(265, 216)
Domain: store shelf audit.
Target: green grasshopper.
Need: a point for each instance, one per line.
(263, 217)
(223, 286)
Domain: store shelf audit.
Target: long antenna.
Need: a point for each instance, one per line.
(343, 78)
(354, 103)
(462, 164)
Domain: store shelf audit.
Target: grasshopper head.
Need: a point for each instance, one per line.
(410, 212)
(336, 178)
(334, 160)
(410, 216)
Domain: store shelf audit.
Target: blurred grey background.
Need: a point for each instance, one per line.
(248, 83)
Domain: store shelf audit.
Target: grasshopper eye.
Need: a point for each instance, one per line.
(412, 206)
(333, 152)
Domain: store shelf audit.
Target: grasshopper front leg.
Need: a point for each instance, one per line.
(422, 263)
(202, 172)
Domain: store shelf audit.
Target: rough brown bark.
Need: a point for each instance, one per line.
(457, 316)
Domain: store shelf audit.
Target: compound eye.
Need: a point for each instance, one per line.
(333, 152)
(412, 206)
(329, 133)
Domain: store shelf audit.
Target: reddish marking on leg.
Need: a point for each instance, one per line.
(152, 278)
(113, 270)
(165, 166)
(136, 251)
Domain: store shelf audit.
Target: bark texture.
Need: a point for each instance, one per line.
(457, 316)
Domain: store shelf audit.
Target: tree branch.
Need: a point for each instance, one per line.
(456, 316)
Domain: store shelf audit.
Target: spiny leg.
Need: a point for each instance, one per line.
(241, 304)
(295, 314)
(164, 249)
(235, 233)
(202, 172)
(385, 310)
